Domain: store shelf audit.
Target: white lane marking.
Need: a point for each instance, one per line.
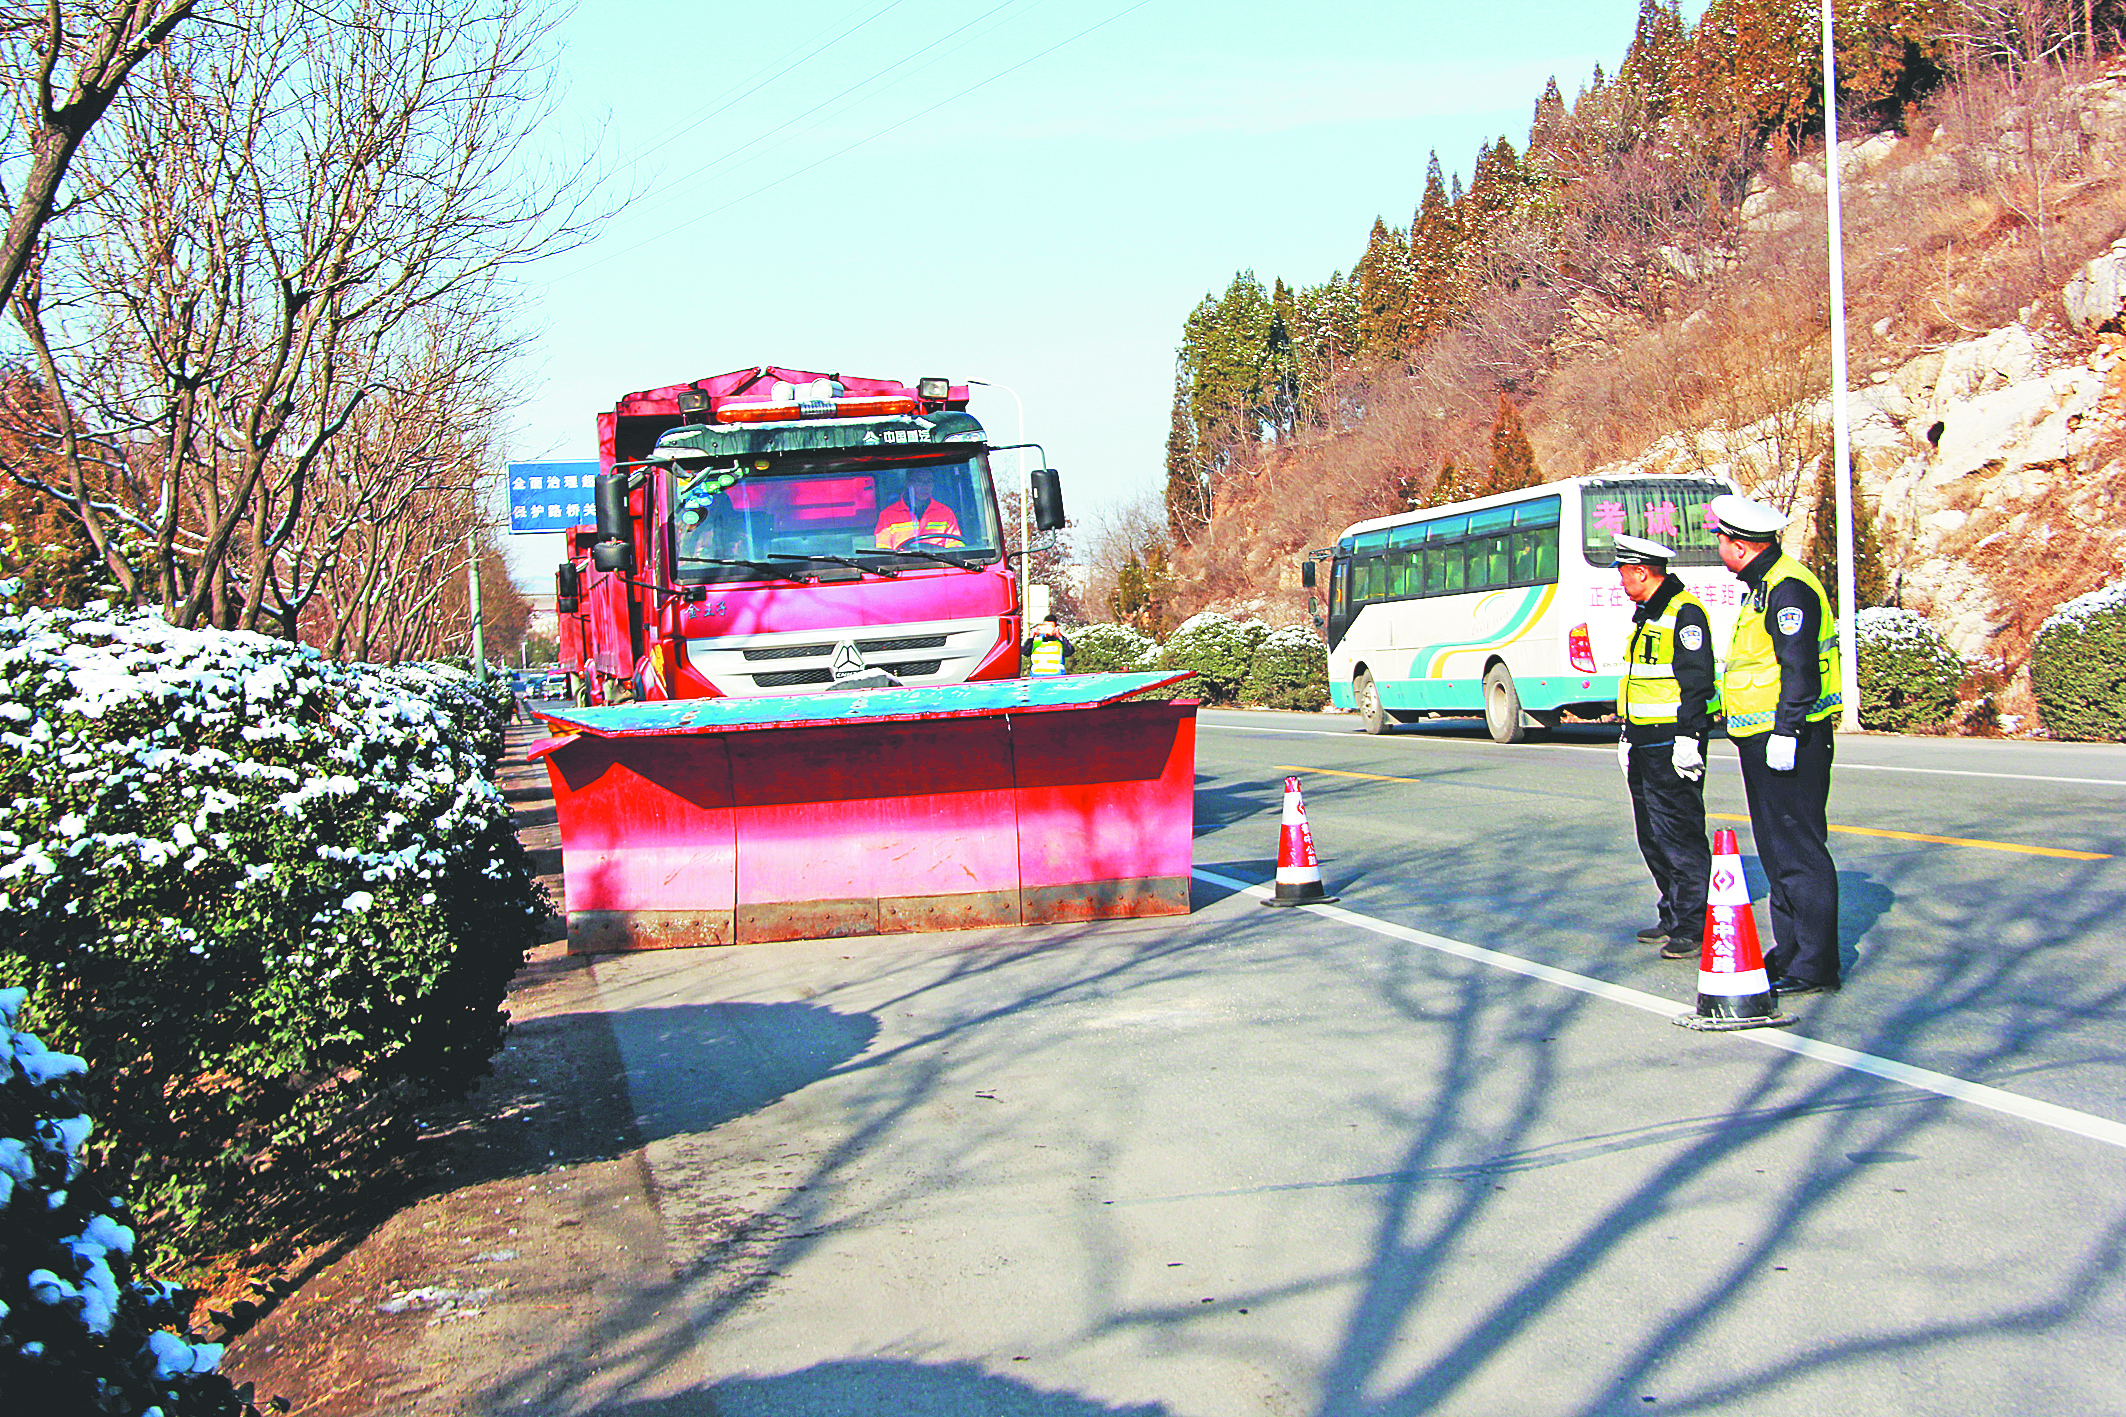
(1612, 752)
(2047, 1114)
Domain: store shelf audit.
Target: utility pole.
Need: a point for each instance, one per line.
(1841, 436)
(472, 587)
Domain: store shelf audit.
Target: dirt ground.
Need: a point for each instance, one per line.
(533, 1218)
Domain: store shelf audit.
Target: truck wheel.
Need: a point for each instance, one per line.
(1502, 705)
(1369, 709)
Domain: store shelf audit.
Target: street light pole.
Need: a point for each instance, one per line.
(1841, 438)
(472, 585)
(1025, 495)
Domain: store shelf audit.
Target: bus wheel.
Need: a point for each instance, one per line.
(1502, 705)
(1369, 708)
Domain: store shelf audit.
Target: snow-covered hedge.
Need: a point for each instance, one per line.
(1220, 649)
(1290, 670)
(479, 710)
(2078, 666)
(1111, 648)
(271, 899)
(1908, 673)
(78, 1333)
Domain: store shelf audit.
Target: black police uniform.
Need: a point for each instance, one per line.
(1669, 811)
(1788, 809)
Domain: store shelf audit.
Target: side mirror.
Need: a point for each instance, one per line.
(613, 556)
(1306, 574)
(614, 524)
(568, 589)
(1047, 499)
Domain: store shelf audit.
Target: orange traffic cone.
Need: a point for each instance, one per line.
(1733, 989)
(1298, 871)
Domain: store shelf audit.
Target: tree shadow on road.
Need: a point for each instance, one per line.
(876, 1387)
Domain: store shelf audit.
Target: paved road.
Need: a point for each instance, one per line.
(1362, 1160)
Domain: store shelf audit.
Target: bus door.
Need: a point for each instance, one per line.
(1339, 600)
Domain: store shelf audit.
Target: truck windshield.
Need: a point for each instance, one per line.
(788, 519)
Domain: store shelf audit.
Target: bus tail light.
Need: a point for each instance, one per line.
(1581, 649)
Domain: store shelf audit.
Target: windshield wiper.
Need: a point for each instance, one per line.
(921, 554)
(836, 560)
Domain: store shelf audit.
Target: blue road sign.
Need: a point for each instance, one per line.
(551, 496)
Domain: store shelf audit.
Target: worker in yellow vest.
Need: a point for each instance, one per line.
(1049, 649)
(1666, 697)
(1781, 692)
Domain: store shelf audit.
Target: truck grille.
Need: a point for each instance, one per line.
(911, 642)
(792, 678)
(754, 656)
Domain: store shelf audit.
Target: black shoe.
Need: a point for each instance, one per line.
(1787, 984)
(1681, 949)
(1653, 935)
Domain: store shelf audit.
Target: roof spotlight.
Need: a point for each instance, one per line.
(934, 388)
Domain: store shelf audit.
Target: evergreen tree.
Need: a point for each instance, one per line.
(1383, 281)
(1512, 459)
(1651, 64)
(1435, 261)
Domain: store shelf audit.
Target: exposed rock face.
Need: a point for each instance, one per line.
(2096, 295)
(1997, 470)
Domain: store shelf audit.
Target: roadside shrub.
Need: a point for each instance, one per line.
(1220, 649)
(271, 899)
(1290, 670)
(1908, 674)
(2078, 666)
(77, 1332)
(480, 713)
(1111, 648)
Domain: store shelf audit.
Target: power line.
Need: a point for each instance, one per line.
(688, 125)
(699, 176)
(860, 142)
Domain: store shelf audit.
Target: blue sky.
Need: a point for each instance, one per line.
(1030, 192)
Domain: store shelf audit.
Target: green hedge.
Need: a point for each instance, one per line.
(1290, 670)
(1219, 649)
(271, 899)
(1111, 649)
(1908, 674)
(78, 1333)
(2078, 667)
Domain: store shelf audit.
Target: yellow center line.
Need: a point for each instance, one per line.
(2059, 851)
(1332, 772)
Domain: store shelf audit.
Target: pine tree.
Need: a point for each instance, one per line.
(1435, 260)
(1383, 280)
(1512, 459)
(1649, 73)
(1871, 578)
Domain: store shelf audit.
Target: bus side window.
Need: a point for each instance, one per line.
(1402, 573)
(1535, 556)
(1489, 564)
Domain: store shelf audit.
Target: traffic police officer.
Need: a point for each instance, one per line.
(1666, 698)
(1781, 692)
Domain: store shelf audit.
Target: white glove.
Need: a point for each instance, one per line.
(1779, 752)
(1690, 760)
(1624, 757)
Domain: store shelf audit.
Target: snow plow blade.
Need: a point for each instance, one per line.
(956, 807)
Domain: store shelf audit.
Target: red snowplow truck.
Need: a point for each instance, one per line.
(779, 531)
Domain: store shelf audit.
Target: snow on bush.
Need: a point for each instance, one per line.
(1908, 673)
(270, 898)
(1219, 649)
(1290, 670)
(77, 1332)
(2078, 666)
(480, 709)
(1111, 648)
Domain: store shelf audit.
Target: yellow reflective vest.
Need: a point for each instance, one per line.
(1048, 657)
(1648, 691)
(1750, 686)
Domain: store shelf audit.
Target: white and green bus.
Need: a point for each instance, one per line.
(1509, 606)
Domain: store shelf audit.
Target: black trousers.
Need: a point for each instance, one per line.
(1787, 820)
(1669, 814)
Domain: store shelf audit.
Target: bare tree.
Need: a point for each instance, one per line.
(63, 64)
(289, 210)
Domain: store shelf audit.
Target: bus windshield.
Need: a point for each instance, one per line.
(786, 520)
(1670, 510)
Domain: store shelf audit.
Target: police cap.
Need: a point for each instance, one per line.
(1746, 520)
(1638, 551)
